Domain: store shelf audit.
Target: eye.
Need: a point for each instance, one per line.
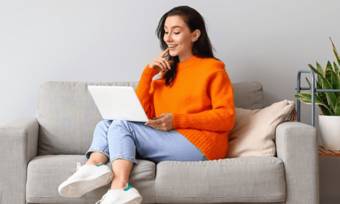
(175, 33)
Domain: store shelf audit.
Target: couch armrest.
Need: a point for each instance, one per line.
(18, 145)
(297, 146)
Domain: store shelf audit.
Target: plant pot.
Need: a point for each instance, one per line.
(330, 131)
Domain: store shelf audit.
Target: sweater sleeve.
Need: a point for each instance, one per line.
(143, 89)
(222, 115)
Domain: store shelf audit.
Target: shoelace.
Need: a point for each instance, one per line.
(101, 200)
(78, 167)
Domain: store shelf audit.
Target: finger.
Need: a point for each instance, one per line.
(164, 62)
(155, 122)
(163, 53)
(159, 122)
(150, 122)
(162, 65)
(168, 64)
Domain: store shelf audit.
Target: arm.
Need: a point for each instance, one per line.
(18, 145)
(297, 147)
(143, 89)
(222, 115)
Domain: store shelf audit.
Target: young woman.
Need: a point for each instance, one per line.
(190, 107)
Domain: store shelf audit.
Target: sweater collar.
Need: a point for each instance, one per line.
(186, 63)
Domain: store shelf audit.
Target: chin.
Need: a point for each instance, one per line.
(173, 54)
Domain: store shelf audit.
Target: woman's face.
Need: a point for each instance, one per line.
(177, 33)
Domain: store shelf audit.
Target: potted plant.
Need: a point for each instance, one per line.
(329, 102)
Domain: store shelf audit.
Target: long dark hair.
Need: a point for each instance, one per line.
(201, 48)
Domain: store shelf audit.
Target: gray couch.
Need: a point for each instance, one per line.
(37, 154)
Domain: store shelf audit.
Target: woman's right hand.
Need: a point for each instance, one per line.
(160, 63)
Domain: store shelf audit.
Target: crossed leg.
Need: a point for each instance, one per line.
(121, 169)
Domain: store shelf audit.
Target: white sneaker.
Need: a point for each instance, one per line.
(129, 195)
(85, 179)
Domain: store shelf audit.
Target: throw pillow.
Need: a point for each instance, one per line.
(254, 130)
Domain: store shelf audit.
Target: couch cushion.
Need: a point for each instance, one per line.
(248, 95)
(246, 179)
(254, 130)
(46, 173)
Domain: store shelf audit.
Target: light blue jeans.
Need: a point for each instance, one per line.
(121, 139)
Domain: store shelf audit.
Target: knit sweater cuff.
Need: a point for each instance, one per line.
(149, 72)
(179, 120)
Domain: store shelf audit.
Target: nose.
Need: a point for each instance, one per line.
(167, 38)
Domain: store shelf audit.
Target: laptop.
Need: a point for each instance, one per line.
(118, 102)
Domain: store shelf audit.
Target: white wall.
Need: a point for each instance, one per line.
(104, 41)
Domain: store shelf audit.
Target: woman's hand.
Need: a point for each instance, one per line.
(160, 63)
(163, 122)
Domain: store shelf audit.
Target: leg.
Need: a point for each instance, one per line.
(122, 147)
(99, 150)
(125, 138)
(121, 170)
(157, 146)
(96, 158)
(89, 176)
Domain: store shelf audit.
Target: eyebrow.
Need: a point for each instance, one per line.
(174, 27)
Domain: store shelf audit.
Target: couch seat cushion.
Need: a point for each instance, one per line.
(46, 173)
(245, 179)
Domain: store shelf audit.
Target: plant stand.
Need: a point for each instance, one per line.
(323, 152)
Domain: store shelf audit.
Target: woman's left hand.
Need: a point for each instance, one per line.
(163, 122)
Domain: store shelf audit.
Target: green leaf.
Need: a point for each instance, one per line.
(310, 86)
(328, 75)
(335, 52)
(307, 99)
(330, 95)
(329, 65)
(323, 98)
(320, 69)
(316, 71)
(322, 95)
(336, 68)
(335, 83)
(320, 73)
(333, 79)
(337, 107)
(325, 111)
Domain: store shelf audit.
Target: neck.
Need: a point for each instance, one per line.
(183, 58)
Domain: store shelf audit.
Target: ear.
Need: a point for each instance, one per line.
(195, 35)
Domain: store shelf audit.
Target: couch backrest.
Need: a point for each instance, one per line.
(68, 115)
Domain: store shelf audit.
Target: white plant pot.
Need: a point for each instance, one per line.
(330, 131)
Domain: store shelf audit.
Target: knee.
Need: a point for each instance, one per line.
(120, 122)
(103, 123)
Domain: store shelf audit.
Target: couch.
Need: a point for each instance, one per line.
(38, 154)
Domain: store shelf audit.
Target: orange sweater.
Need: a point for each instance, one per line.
(201, 100)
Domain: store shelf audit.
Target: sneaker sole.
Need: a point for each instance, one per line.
(79, 188)
(135, 201)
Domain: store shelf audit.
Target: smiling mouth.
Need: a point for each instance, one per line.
(172, 47)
